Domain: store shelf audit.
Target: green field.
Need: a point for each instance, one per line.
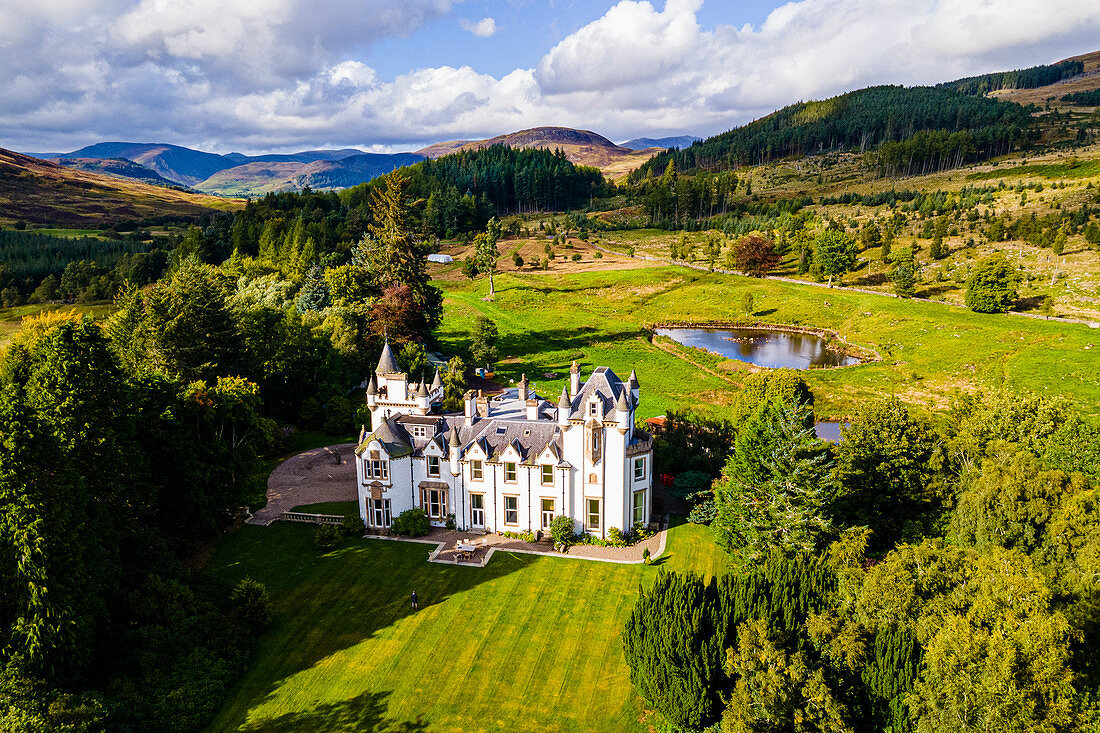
(527, 643)
(931, 350)
(11, 319)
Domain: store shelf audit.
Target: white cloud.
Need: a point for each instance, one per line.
(224, 75)
(483, 28)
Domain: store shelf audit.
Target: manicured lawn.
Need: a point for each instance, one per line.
(931, 350)
(528, 643)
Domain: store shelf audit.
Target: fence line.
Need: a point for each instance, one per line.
(311, 518)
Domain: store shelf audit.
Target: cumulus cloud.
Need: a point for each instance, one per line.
(483, 28)
(286, 74)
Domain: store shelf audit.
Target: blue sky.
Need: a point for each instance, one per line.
(526, 30)
(284, 75)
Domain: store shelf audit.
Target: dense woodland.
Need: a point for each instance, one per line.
(922, 575)
(128, 444)
(862, 120)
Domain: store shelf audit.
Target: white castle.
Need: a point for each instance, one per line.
(510, 462)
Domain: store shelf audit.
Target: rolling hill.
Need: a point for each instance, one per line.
(677, 141)
(581, 147)
(42, 192)
(174, 162)
(261, 177)
(118, 167)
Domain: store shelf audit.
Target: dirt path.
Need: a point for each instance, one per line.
(309, 478)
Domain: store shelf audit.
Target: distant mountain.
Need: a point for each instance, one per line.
(261, 177)
(306, 156)
(42, 192)
(119, 167)
(581, 147)
(173, 162)
(678, 141)
(353, 170)
(440, 149)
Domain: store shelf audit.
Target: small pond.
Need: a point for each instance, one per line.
(771, 349)
(829, 430)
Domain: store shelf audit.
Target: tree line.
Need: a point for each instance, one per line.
(1030, 78)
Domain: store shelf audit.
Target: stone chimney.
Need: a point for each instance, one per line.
(574, 380)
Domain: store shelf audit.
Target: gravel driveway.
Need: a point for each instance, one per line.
(309, 478)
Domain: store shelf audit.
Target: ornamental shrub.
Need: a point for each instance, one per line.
(326, 537)
(352, 526)
(411, 523)
(561, 529)
(251, 604)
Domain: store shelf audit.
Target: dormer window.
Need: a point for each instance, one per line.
(475, 470)
(433, 465)
(593, 408)
(419, 431)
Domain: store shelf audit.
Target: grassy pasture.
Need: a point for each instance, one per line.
(930, 350)
(527, 643)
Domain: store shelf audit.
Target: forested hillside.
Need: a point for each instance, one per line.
(1031, 78)
(955, 128)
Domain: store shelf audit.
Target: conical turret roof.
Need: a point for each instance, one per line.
(372, 387)
(455, 442)
(563, 401)
(437, 382)
(621, 404)
(422, 391)
(633, 380)
(387, 364)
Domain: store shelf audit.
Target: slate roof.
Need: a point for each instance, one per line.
(386, 363)
(604, 383)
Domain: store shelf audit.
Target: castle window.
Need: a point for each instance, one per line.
(639, 507)
(593, 519)
(433, 465)
(547, 474)
(379, 469)
(592, 408)
(510, 473)
(511, 510)
(419, 431)
(434, 502)
(475, 470)
(379, 513)
(639, 469)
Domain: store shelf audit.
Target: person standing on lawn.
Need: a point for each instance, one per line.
(415, 601)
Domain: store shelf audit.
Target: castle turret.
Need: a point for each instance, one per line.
(437, 384)
(455, 446)
(564, 408)
(372, 391)
(574, 380)
(633, 386)
(623, 412)
(423, 400)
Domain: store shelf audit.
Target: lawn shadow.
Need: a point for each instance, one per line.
(371, 579)
(761, 314)
(366, 713)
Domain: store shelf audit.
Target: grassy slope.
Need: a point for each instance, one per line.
(525, 644)
(932, 349)
(39, 192)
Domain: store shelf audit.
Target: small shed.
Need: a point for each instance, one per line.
(441, 259)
